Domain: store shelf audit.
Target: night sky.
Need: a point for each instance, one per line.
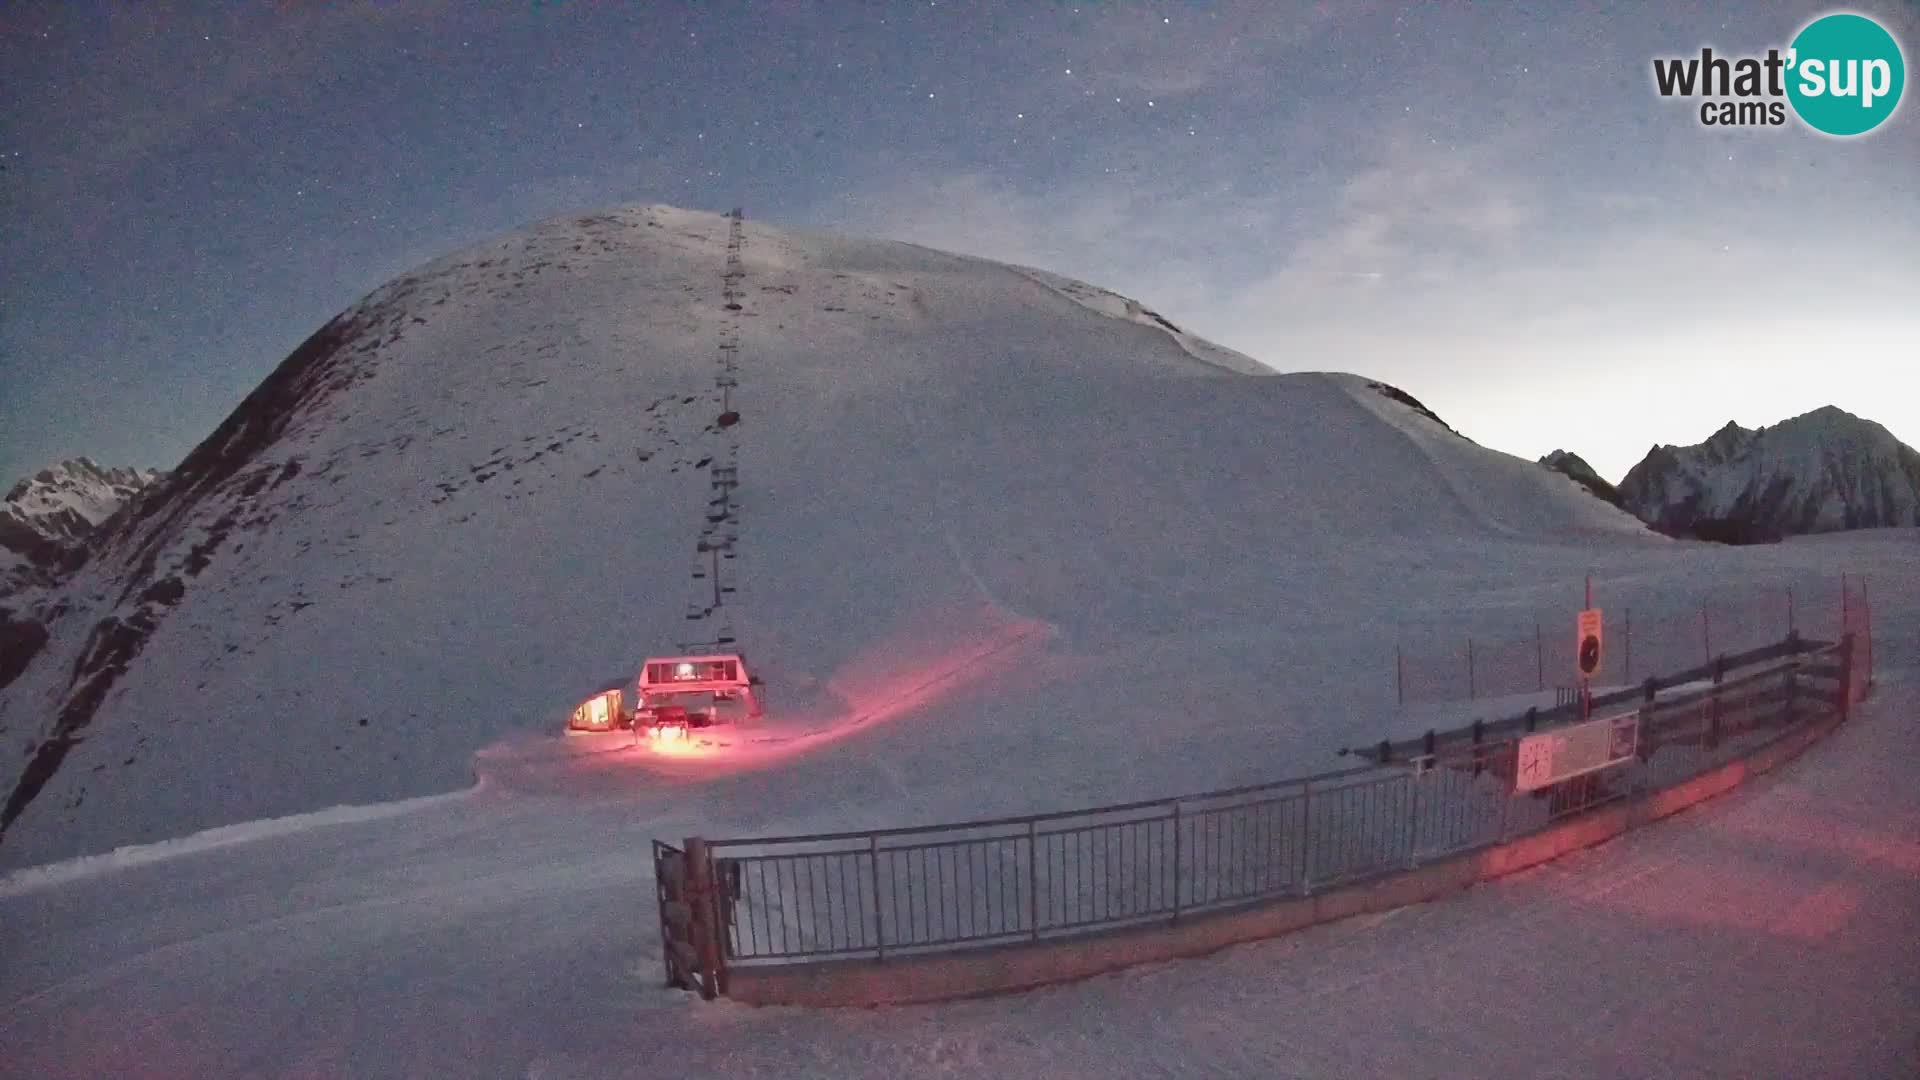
(1487, 205)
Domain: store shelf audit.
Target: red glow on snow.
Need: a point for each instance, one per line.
(927, 659)
(1764, 901)
(918, 666)
(1795, 873)
(1809, 827)
(1818, 916)
(679, 742)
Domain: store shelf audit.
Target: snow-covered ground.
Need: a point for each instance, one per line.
(508, 931)
(1005, 548)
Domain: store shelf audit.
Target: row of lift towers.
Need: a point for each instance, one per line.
(707, 682)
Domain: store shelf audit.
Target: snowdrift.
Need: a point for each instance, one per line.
(476, 496)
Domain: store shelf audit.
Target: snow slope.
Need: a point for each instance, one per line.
(476, 496)
(1764, 934)
(1820, 472)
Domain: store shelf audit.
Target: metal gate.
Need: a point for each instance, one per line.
(688, 945)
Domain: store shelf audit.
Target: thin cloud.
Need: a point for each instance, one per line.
(1174, 52)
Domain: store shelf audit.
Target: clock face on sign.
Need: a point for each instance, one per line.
(1589, 654)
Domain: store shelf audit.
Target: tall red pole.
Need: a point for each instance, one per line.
(1844, 624)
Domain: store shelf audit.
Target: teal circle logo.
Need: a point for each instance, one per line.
(1845, 74)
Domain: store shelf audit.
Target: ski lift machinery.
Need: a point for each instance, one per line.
(675, 694)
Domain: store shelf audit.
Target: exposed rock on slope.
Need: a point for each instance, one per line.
(1575, 468)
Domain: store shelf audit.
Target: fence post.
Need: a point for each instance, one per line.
(1793, 687)
(1470, 689)
(1306, 836)
(1033, 875)
(1643, 739)
(1413, 816)
(1512, 748)
(1176, 860)
(1853, 655)
(1846, 675)
(1706, 632)
(1866, 627)
(873, 869)
(1713, 705)
(670, 886)
(1539, 655)
(700, 896)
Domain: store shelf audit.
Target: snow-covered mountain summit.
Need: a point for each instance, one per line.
(56, 509)
(1823, 471)
(504, 479)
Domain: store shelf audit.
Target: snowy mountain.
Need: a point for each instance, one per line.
(898, 479)
(1576, 469)
(49, 515)
(1824, 471)
(47, 525)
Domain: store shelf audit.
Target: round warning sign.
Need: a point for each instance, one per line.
(1590, 642)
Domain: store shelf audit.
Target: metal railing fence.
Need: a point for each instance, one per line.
(1439, 665)
(894, 892)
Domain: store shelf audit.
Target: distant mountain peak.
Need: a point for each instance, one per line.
(1567, 458)
(1576, 468)
(47, 517)
(1728, 442)
(1822, 471)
